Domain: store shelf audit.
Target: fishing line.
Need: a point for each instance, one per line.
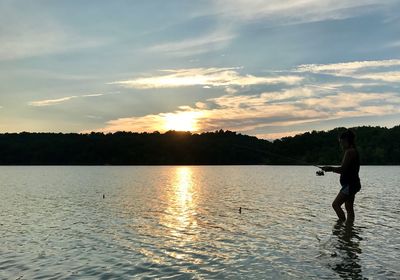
(319, 172)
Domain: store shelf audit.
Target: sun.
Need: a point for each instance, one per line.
(181, 121)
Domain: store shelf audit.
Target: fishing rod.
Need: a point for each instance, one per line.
(319, 172)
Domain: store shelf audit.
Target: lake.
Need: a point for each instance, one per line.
(183, 222)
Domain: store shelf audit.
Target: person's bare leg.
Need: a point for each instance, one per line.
(337, 203)
(349, 205)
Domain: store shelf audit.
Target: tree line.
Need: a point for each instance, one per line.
(377, 145)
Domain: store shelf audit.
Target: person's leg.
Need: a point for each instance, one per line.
(349, 205)
(337, 203)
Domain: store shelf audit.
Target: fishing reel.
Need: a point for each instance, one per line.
(320, 173)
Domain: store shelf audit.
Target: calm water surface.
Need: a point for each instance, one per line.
(182, 222)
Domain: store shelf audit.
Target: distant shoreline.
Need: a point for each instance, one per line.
(377, 146)
(172, 165)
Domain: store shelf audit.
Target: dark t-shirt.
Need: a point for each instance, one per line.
(349, 174)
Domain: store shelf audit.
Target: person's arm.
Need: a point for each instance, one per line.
(328, 168)
(348, 156)
(337, 169)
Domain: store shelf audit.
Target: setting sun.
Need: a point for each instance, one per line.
(182, 121)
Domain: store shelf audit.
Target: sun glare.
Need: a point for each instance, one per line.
(182, 121)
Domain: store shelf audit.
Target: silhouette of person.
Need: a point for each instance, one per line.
(349, 179)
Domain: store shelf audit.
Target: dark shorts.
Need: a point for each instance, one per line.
(345, 189)
(348, 190)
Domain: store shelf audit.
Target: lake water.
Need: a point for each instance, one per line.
(182, 222)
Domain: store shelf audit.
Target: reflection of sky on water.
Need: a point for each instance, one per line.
(183, 222)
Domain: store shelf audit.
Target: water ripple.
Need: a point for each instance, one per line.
(184, 223)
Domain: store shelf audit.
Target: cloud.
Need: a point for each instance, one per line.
(300, 99)
(347, 68)
(374, 70)
(197, 45)
(232, 15)
(31, 45)
(151, 122)
(206, 77)
(393, 76)
(94, 117)
(249, 112)
(27, 33)
(183, 119)
(355, 102)
(244, 113)
(50, 102)
(393, 44)
(231, 79)
(231, 90)
(296, 11)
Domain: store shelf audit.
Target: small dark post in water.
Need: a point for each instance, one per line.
(104, 196)
(240, 210)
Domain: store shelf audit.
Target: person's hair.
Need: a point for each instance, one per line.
(348, 135)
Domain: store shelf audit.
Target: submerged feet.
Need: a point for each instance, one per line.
(342, 216)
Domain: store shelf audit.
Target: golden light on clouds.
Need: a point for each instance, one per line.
(248, 112)
(182, 121)
(206, 77)
(299, 102)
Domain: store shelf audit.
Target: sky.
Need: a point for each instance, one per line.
(266, 68)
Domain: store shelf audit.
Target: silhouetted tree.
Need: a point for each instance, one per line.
(377, 145)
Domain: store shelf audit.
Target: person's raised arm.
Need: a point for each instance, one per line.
(348, 156)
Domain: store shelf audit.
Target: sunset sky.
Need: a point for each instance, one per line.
(264, 68)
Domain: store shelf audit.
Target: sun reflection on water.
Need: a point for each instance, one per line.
(183, 187)
(182, 206)
(180, 215)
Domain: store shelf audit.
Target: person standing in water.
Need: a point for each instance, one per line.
(349, 179)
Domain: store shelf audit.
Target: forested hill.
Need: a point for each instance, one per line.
(377, 145)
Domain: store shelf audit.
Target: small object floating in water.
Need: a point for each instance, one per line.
(320, 173)
(240, 210)
(104, 196)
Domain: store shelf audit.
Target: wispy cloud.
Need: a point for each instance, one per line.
(211, 77)
(375, 70)
(347, 68)
(296, 11)
(50, 102)
(42, 44)
(27, 34)
(393, 76)
(393, 44)
(196, 45)
(230, 77)
(94, 117)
